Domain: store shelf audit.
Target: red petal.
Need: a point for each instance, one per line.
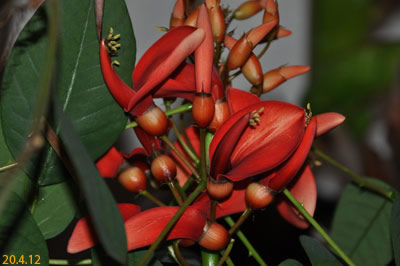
(281, 128)
(108, 165)
(182, 84)
(143, 229)
(83, 237)
(267, 145)
(150, 143)
(220, 160)
(290, 168)
(239, 99)
(327, 122)
(162, 59)
(304, 190)
(204, 53)
(138, 157)
(119, 90)
(183, 172)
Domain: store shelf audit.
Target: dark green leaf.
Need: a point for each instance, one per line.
(79, 85)
(55, 208)
(22, 185)
(290, 262)
(106, 218)
(396, 230)
(19, 234)
(361, 225)
(317, 253)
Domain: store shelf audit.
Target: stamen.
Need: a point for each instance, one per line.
(308, 114)
(255, 117)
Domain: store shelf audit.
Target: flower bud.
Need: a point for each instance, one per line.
(178, 15)
(203, 109)
(220, 115)
(258, 196)
(217, 23)
(276, 77)
(247, 9)
(192, 18)
(133, 179)
(215, 237)
(239, 54)
(252, 70)
(163, 168)
(153, 121)
(219, 190)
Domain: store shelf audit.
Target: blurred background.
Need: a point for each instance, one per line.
(353, 48)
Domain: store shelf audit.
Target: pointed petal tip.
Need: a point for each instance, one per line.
(328, 121)
(293, 71)
(259, 32)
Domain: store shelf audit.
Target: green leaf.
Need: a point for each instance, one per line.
(290, 262)
(105, 215)
(55, 208)
(361, 225)
(317, 253)
(79, 85)
(19, 234)
(396, 230)
(22, 184)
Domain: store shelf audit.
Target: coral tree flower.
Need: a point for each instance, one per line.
(236, 141)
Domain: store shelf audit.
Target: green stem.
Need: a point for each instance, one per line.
(362, 182)
(252, 251)
(315, 224)
(175, 192)
(181, 109)
(180, 189)
(178, 254)
(187, 149)
(264, 49)
(203, 169)
(182, 125)
(173, 221)
(209, 258)
(241, 220)
(70, 262)
(226, 253)
(180, 155)
(152, 198)
(8, 167)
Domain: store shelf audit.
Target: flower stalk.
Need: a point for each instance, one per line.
(316, 225)
(362, 182)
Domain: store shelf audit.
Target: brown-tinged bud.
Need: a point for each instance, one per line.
(219, 190)
(252, 70)
(153, 121)
(214, 237)
(247, 9)
(220, 115)
(276, 77)
(163, 168)
(271, 11)
(258, 196)
(133, 179)
(203, 109)
(178, 15)
(192, 18)
(239, 54)
(217, 23)
(282, 32)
